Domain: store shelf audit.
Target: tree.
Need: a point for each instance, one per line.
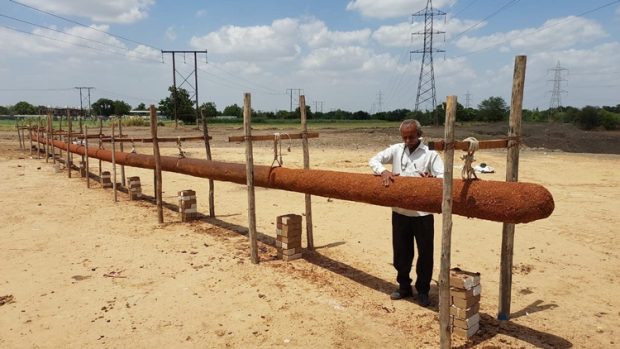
(103, 106)
(308, 113)
(185, 106)
(4, 110)
(121, 108)
(24, 108)
(588, 118)
(141, 106)
(492, 109)
(209, 109)
(233, 110)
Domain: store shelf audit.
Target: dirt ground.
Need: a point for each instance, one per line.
(86, 272)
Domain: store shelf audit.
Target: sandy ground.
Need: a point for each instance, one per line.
(193, 285)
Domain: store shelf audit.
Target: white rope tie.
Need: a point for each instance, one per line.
(277, 148)
(133, 147)
(468, 172)
(180, 146)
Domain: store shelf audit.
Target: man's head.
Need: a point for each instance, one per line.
(410, 131)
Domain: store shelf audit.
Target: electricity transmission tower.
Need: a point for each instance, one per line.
(426, 83)
(84, 98)
(193, 88)
(467, 100)
(379, 102)
(556, 94)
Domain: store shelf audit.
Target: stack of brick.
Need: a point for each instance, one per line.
(465, 292)
(135, 188)
(288, 237)
(187, 205)
(105, 179)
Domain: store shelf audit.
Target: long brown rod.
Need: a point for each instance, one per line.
(511, 202)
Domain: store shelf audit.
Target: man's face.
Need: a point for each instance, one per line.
(410, 136)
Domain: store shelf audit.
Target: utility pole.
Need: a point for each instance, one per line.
(316, 106)
(380, 102)
(185, 80)
(467, 100)
(300, 91)
(426, 82)
(556, 101)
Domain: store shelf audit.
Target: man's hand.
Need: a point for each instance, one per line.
(387, 177)
(426, 175)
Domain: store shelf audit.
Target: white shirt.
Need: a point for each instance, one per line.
(408, 164)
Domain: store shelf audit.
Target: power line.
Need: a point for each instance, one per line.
(61, 32)
(505, 6)
(545, 27)
(83, 25)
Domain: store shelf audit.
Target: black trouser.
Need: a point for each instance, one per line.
(404, 230)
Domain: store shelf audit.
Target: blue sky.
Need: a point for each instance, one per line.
(342, 53)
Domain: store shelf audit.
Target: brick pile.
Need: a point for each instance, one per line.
(465, 292)
(288, 237)
(135, 188)
(187, 205)
(105, 179)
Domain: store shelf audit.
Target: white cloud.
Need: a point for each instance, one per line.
(126, 11)
(400, 35)
(316, 34)
(555, 33)
(346, 59)
(201, 12)
(142, 52)
(277, 40)
(392, 8)
(171, 33)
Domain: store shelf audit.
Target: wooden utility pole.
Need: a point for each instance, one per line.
(308, 197)
(446, 234)
(512, 175)
(158, 180)
(249, 166)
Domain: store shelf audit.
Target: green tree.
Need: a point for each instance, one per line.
(103, 106)
(185, 106)
(588, 118)
(233, 110)
(141, 106)
(492, 109)
(4, 110)
(121, 108)
(24, 108)
(209, 109)
(308, 113)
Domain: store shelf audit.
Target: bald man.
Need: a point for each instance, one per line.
(411, 158)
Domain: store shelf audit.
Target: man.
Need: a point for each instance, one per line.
(411, 159)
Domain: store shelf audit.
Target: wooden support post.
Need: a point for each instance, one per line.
(19, 135)
(114, 165)
(100, 144)
(445, 339)
(86, 151)
(158, 180)
(120, 134)
(68, 163)
(47, 136)
(38, 137)
(205, 132)
(308, 197)
(512, 175)
(249, 170)
(51, 135)
(30, 135)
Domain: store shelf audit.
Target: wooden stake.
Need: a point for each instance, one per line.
(47, 137)
(158, 180)
(445, 339)
(205, 132)
(19, 135)
(249, 166)
(114, 164)
(308, 197)
(100, 133)
(38, 139)
(30, 135)
(120, 134)
(86, 151)
(51, 135)
(512, 175)
(68, 163)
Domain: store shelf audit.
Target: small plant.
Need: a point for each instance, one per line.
(134, 121)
